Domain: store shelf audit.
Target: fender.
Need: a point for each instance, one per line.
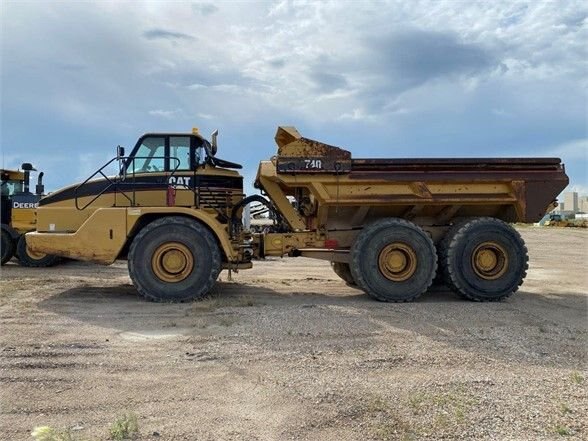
(134, 214)
(107, 231)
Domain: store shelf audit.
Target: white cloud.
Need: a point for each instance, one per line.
(204, 115)
(167, 114)
(443, 78)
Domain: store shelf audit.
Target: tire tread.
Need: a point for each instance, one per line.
(459, 235)
(8, 246)
(366, 234)
(25, 260)
(187, 222)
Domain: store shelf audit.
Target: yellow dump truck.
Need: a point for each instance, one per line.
(389, 226)
(18, 216)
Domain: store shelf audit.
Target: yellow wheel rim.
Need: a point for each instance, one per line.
(172, 262)
(490, 260)
(33, 255)
(397, 262)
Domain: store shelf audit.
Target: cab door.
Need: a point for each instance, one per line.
(145, 180)
(181, 169)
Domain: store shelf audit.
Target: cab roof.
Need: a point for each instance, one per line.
(196, 135)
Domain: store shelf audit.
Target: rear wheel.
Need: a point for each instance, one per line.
(393, 260)
(442, 247)
(7, 246)
(29, 258)
(344, 272)
(174, 259)
(485, 259)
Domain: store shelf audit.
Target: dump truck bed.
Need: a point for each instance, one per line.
(349, 192)
(538, 180)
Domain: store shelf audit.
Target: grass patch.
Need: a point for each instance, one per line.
(416, 402)
(565, 409)
(447, 408)
(442, 421)
(562, 430)
(124, 427)
(47, 433)
(394, 428)
(577, 377)
(376, 405)
(385, 423)
(444, 411)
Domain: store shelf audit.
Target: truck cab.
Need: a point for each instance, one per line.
(163, 169)
(165, 174)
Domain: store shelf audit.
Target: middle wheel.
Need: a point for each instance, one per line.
(393, 260)
(344, 272)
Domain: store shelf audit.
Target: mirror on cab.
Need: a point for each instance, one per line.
(120, 154)
(213, 141)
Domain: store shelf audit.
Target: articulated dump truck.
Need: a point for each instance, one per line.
(388, 226)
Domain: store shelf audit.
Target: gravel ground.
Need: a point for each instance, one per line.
(288, 351)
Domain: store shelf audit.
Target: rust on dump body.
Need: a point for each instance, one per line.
(297, 154)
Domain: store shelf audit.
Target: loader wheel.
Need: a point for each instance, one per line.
(174, 259)
(31, 259)
(344, 272)
(7, 246)
(485, 260)
(393, 260)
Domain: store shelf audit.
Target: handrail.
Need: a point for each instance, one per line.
(118, 179)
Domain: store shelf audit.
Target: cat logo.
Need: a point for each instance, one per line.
(180, 181)
(25, 205)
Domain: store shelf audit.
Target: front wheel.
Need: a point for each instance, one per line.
(31, 259)
(7, 246)
(174, 259)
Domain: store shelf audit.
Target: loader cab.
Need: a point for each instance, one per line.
(17, 202)
(12, 183)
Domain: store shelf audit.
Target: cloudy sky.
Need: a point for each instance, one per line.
(381, 78)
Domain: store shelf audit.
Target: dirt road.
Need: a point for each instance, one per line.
(288, 351)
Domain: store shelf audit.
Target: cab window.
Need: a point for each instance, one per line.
(150, 156)
(179, 152)
(10, 187)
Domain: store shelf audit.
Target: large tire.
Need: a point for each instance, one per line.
(442, 247)
(7, 246)
(393, 260)
(34, 260)
(344, 272)
(485, 260)
(174, 259)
